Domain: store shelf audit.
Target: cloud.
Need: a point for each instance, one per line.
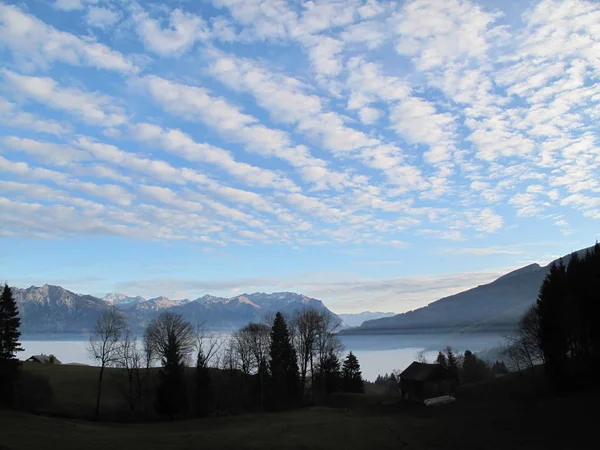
(102, 17)
(183, 30)
(12, 117)
(71, 5)
(34, 42)
(58, 154)
(91, 107)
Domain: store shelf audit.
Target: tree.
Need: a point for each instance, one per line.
(442, 361)
(131, 360)
(171, 395)
(165, 329)
(422, 357)
(330, 374)
(453, 366)
(103, 345)
(523, 348)
(283, 365)
(9, 345)
(314, 338)
(204, 391)
(474, 369)
(351, 375)
(9, 325)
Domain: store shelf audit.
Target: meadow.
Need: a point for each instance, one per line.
(510, 412)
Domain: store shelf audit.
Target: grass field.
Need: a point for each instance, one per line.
(505, 413)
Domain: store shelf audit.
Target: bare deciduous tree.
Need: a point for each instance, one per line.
(131, 360)
(523, 348)
(422, 357)
(169, 325)
(207, 344)
(103, 345)
(313, 334)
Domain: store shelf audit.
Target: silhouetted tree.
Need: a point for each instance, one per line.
(474, 369)
(351, 375)
(171, 398)
(329, 373)
(204, 391)
(9, 345)
(283, 366)
(453, 365)
(442, 361)
(104, 344)
(9, 325)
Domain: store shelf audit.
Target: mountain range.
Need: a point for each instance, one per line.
(54, 310)
(496, 306)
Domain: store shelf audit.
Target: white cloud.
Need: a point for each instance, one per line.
(437, 33)
(368, 115)
(91, 107)
(71, 5)
(12, 117)
(183, 145)
(102, 17)
(34, 42)
(183, 30)
(58, 154)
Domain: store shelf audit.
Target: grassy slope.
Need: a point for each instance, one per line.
(502, 414)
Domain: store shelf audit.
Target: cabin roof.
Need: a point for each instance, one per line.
(422, 372)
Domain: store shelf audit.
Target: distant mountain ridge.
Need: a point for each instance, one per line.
(494, 306)
(357, 319)
(52, 309)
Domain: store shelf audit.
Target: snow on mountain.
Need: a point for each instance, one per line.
(122, 299)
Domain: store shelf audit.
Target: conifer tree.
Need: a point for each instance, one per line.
(9, 346)
(171, 398)
(283, 365)
(330, 373)
(351, 375)
(452, 362)
(9, 326)
(442, 361)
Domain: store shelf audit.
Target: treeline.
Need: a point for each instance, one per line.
(275, 365)
(465, 367)
(561, 330)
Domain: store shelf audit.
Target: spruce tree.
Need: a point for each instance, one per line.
(351, 375)
(9, 326)
(9, 346)
(330, 373)
(442, 361)
(452, 362)
(171, 395)
(283, 365)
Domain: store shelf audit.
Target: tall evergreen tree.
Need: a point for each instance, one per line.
(330, 373)
(171, 395)
(9, 345)
(351, 375)
(452, 360)
(283, 365)
(442, 361)
(9, 325)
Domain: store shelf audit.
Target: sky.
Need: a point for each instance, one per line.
(377, 155)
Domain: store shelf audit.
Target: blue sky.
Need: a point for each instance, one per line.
(375, 154)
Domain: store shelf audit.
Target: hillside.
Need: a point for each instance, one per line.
(494, 306)
(357, 319)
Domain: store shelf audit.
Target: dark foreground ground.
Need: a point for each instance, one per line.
(504, 413)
